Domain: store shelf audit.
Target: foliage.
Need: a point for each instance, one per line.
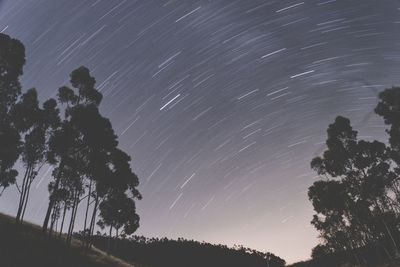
(79, 144)
(88, 163)
(357, 204)
(35, 124)
(12, 60)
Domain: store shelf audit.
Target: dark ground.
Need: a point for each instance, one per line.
(25, 245)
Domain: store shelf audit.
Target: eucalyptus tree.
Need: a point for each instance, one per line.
(88, 164)
(12, 60)
(63, 202)
(73, 174)
(60, 145)
(117, 212)
(69, 144)
(36, 125)
(389, 109)
(352, 203)
(118, 207)
(99, 139)
(115, 194)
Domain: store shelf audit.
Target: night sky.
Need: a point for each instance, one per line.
(221, 104)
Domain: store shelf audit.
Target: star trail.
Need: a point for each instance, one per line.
(221, 104)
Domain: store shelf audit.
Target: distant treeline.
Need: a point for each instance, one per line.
(357, 199)
(183, 253)
(371, 255)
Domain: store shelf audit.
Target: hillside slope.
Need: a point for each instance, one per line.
(327, 263)
(184, 253)
(26, 246)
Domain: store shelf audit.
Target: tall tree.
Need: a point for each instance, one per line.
(117, 209)
(36, 125)
(85, 151)
(69, 144)
(115, 195)
(353, 203)
(12, 60)
(389, 109)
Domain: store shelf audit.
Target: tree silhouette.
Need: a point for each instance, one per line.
(36, 125)
(69, 144)
(115, 195)
(357, 202)
(88, 164)
(389, 109)
(12, 60)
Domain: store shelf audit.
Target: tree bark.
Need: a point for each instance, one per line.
(87, 206)
(92, 221)
(51, 200)
(63, 218)
(52, 220)
(28, 189)
(73, 216)
(22, 194)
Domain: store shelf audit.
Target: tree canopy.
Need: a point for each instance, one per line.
(71, 136)
(357, 201)
(12, 60)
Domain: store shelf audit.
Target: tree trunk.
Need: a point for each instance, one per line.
(73, 217)
(70, 224)
(28, 189)
(51, 200)
(52, 217)
(87, 209)
(92, 221)
(63, 218)
(76, 210)
(109, 241)
(22, 194)
(2, 190)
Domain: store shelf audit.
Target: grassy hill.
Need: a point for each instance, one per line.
(26, 246)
